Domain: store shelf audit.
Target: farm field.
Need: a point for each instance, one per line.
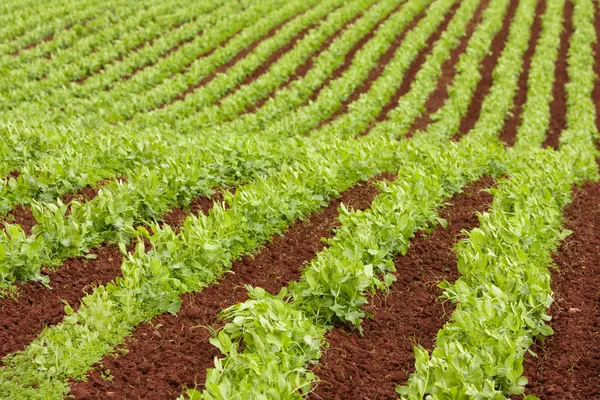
(244, 199)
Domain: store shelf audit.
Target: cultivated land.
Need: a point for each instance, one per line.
(238, 199)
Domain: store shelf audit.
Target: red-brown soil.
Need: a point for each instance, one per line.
(558, 105)
(24, 216)
(36, 306)
(513, 121)
(375, 72)
(372, 365)
(30, 46)
(162, 358)
(568, 362)
(486, 69)
(437, 99)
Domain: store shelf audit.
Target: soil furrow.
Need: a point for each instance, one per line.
(23, 216)
(224, 67)
(414, 68)
(558, 106)
(440, 94)
(567, 365)
(303, 69)
(37, 306)
(513, 121)
(349, 56)
(30, 46)
(486, 69)
(375, 72)
(371, 366)
(174, 350)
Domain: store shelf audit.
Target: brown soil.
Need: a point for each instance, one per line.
(176, 216)
(486, 69)
(437, 99)
(162, 358)
(30, 46)
(37, 306)
(513, 121)
(375, 72)
(224, 67)
(349, 56)
(371, 366)
(303, 69)
(568, 362)
(558, 105)
(23, 216)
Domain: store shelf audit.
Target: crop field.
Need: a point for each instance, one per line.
(288, 199)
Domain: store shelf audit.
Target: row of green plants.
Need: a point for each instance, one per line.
(411, 105)
(89, 23)
(161, 83)
(224, 83)
(365, 110)
(535, 116)
(363, 62)
(73, 167)
(232, 105)
(150, 53)
(359, 259)
(145, 195)
(270, 341)
(51, 140)
(33, 79)
(205, 247)
(18, 33)
(292, 97)
(217, 27)
(504, 292)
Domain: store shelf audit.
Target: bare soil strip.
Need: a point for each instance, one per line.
(376, 72)
(348, 57)
(371, 366)
(440, 94)
(30, 46)
(558, 106)
(513, 121)
(486, 69)
(567, 365)
(174, 350)
(37, 306)
(23, 216)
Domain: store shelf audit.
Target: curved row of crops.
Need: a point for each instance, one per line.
(275, 108)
